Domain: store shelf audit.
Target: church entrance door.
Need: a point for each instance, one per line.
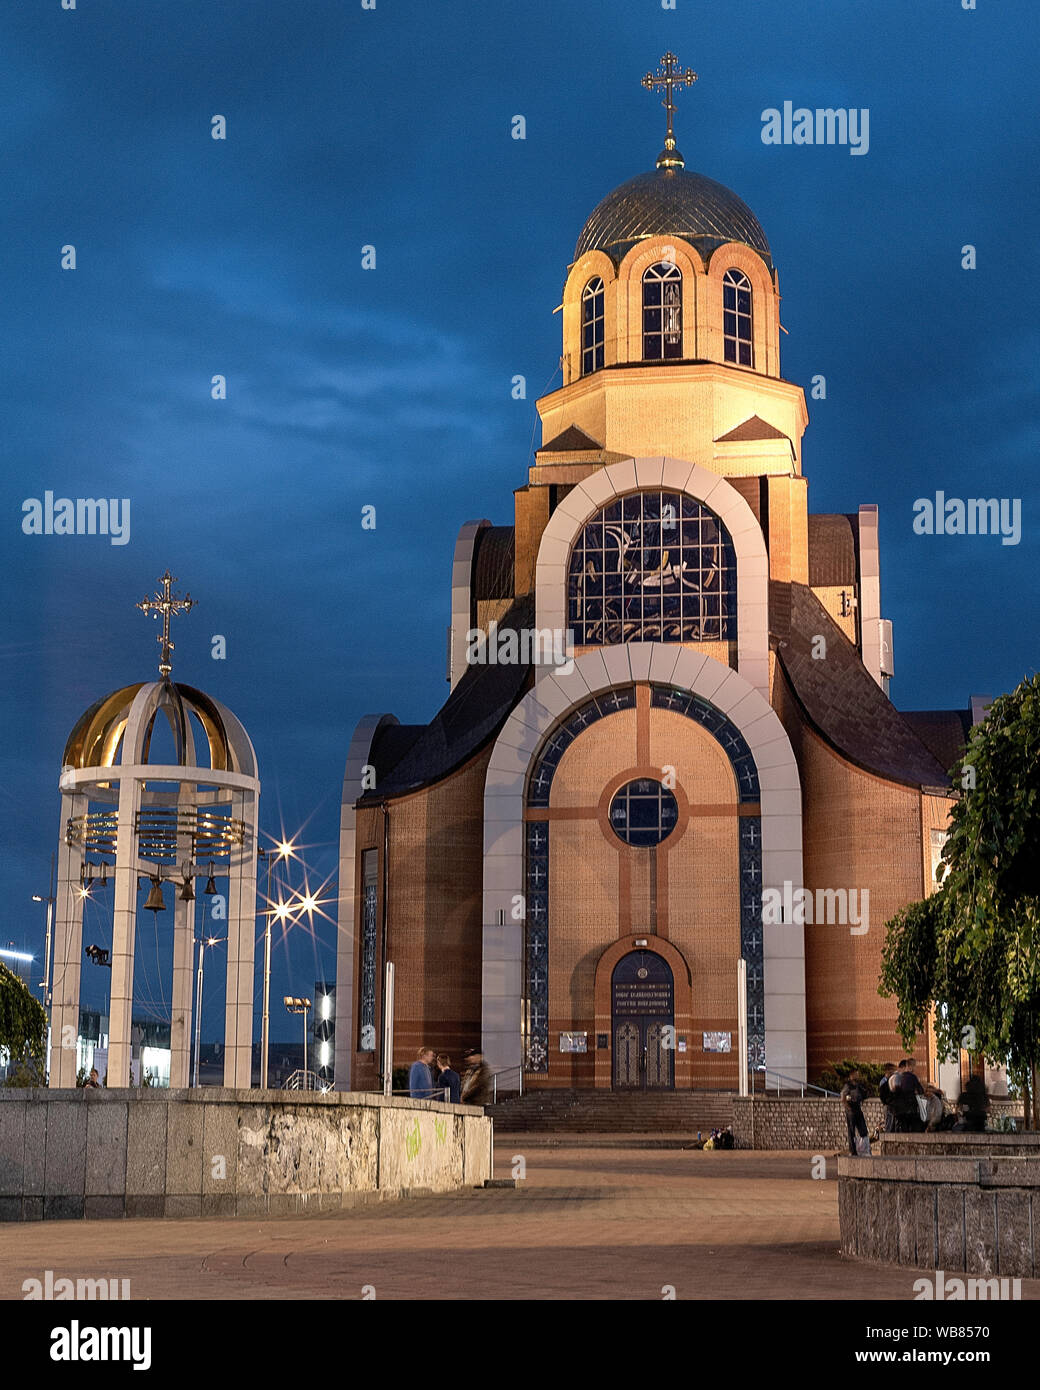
(643, 1012)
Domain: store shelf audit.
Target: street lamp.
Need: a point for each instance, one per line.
(201, 943)
(284, 851)
(300, 1006)
(45, 983)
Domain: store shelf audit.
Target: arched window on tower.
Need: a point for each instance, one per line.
(592, 326)
(737, 323)
(662, 312)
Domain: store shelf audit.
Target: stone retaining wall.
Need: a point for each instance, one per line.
(971, 1212)
(215, 1152)
(816, 1123)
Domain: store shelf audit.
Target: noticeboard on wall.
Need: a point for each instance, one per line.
(574, 1042)
(718, 1042)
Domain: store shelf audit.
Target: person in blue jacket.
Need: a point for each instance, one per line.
(420, 1077)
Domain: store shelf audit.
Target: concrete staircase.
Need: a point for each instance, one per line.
(613, 1112)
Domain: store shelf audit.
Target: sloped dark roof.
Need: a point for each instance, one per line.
(671, 202)
(571, 441)
(832, 549)
(842, 701)
(472, 714)
(493, 563)
(944, 731)
(754, 427)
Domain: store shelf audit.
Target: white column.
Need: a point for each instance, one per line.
(183, 942)
(238, 1026)
(124, 926)
(68, 946)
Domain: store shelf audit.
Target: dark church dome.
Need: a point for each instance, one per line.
(671, 202)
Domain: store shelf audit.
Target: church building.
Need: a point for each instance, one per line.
(656, 830)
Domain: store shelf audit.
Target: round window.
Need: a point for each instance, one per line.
(643, 812)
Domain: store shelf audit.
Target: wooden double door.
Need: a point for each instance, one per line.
(643, 1014)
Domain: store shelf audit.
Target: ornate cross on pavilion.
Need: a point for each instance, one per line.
(169, 606)
(667, 81)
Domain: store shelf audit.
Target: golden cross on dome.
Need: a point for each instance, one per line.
(667, 81)
(170, 607)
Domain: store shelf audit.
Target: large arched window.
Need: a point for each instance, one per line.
(737, 323)
(652, 566)
(592, 326)
(662, 312)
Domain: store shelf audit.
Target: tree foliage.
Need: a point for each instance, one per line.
(23, 1022)
(973, 948)
(835, 1074)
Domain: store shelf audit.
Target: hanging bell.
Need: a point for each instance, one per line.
(187, 893)
(211, 883)
(156, 902)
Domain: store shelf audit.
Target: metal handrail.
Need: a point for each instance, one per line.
(802, 1086)
(306, 1081)
(506, 1071)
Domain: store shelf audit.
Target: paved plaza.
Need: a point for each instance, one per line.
(587, 1223)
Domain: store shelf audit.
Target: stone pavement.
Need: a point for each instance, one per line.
(587, 1223)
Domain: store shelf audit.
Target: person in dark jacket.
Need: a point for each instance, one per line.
(476, 1084)
(884, 1095)
(449, 1078)
(972, 1106)
(853, 1094)
(904, 1087)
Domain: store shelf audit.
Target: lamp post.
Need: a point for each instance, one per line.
(45, 983)
(202, 943)
(300, 1006)
(284, 851)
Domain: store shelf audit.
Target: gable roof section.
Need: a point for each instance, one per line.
(841, 700)
(571, 441)
(754, 427)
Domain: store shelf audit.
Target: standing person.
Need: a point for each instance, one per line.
(885, 1096)
(853, 1094)
(476, 1084)
(420, 1078)
(448, 1078)
(908, 1118)
(92, 1080)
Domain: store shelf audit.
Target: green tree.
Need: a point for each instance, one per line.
(23, 1027)
(972, 949)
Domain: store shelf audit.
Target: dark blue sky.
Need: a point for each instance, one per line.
(392, 387)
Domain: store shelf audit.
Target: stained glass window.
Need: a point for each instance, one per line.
(662, 312)
(652, 566)
(736, 318)
(643, 812)
(369, 945)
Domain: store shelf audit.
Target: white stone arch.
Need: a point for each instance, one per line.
(698, 482)
(552, 698)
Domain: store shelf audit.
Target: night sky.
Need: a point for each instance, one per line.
(391, 387)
